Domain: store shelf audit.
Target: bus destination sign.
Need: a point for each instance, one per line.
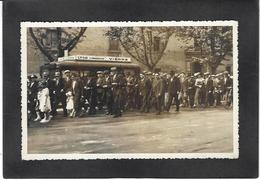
(95, 58)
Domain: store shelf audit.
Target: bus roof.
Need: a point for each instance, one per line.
(83, 62)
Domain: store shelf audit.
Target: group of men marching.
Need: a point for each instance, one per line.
(115, 91)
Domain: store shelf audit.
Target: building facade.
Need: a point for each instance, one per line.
(95, 42)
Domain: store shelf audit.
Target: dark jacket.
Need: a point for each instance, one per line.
(174, 85)
(58, 87)
(209, 85)
(157, 87)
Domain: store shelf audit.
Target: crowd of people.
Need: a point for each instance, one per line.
(115, 92)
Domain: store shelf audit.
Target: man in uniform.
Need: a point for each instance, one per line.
(174, 88)
(59, 94)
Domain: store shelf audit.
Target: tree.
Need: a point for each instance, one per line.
(216, 41)
(52, 42)
(144, 44)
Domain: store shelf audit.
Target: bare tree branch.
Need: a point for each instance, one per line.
(75, 40)
(41, 48)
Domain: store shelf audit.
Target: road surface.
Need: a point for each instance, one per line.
(189, 131)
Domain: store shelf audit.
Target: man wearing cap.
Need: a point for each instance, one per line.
(145, 86)
(191, 91)
(67, 80)
(208, 89)
(91, 91)
(174, 88)
(117, 84)
(199, 83)
(130, 91)
(77, 92)
(164, 81)
(157, 87)
(183, 91)
(108, 92)
(100, 89)
(137, 101)
(59, 94)
(228, 83)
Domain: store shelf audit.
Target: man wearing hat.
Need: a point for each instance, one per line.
(32, 96)
(174, 88)
(59, 94)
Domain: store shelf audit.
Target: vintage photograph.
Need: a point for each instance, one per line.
(119, 90)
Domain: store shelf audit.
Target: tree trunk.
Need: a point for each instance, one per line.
(213, 69)
(60, 50)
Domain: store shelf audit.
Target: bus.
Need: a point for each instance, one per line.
(83, 64)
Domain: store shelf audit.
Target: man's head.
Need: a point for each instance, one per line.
(113, 70)
(33, 78)
(67, 73)
(57, 74)
(225, 73)
(106, 72)
(206, 74)
(157, 76)
(73, 76)
(42, 84)
(45, 74)
(141, 76)
(100, 73)
(172, 73)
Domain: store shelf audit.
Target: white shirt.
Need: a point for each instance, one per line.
(73, 85)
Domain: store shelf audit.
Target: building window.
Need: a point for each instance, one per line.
(156, 43)
(113, 45)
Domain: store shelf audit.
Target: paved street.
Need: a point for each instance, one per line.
(208, 130)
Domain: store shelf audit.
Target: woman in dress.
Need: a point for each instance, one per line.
(70, 104)
(44, 101)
